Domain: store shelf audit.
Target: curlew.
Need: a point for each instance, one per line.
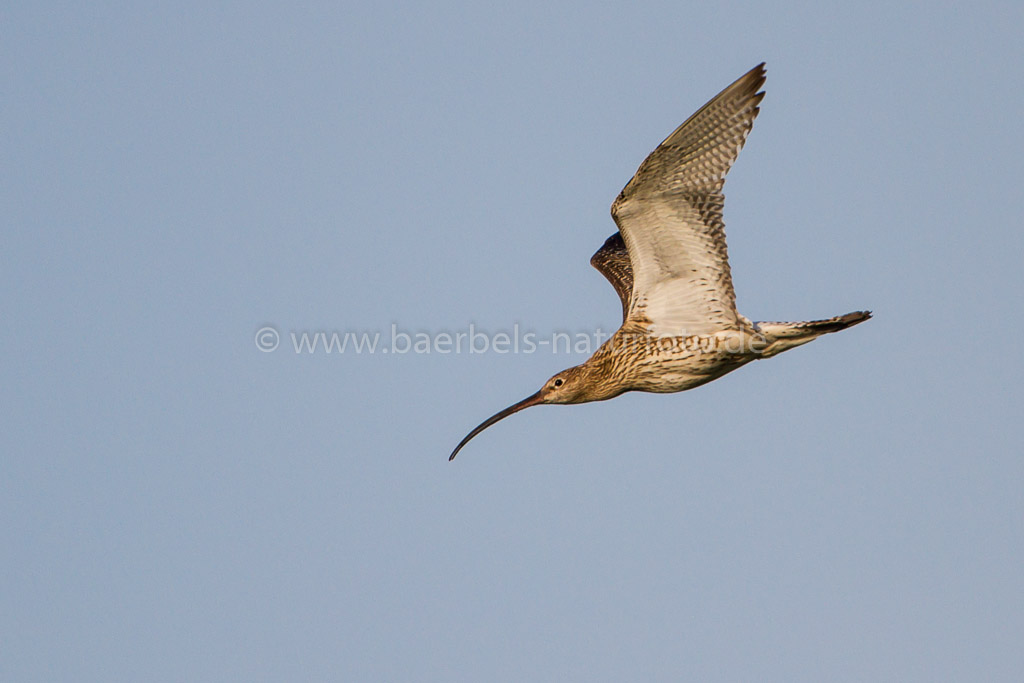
(669, 265)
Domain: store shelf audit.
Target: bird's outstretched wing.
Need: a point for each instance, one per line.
(670, 218)
(612, 261)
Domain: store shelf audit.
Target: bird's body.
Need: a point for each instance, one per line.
(669, 265)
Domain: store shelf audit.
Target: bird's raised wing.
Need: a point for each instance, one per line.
(670, 217)
(612, 261)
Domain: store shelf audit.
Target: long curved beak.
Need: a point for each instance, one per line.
(525, 403)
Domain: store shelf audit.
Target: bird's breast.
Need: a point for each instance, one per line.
(670, 364)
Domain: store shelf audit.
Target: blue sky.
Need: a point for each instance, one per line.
(179, 505)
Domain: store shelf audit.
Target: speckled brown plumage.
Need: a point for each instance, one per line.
(670, 267)
(612, 261)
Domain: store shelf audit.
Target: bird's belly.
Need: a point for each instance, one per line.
(692, 363)
(670, 381)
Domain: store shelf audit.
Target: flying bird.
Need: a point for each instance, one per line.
(669, 265)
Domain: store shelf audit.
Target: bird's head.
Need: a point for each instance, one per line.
(568, 386)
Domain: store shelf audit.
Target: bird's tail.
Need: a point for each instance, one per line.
(785, 336)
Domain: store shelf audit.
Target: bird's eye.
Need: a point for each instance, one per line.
(559, 382)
